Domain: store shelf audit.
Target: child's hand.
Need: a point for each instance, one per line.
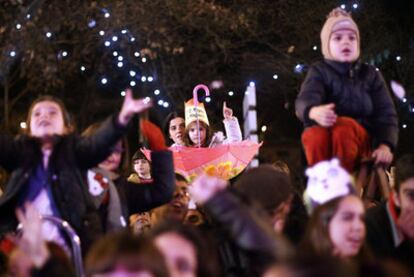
(205, 187)
(383, 155)
(227, 112)
(324, 115)
(132, 106)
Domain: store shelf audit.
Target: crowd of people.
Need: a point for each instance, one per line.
(135, 216)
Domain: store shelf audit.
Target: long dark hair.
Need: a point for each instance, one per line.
(166, 124)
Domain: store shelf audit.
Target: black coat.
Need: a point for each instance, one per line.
(358, 91)
(71, 156)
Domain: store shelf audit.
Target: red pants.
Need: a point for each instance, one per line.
(347, 140)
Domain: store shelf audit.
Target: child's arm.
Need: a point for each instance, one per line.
(231, 125)
(97, 147)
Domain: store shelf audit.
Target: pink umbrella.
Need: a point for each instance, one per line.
(225, 161)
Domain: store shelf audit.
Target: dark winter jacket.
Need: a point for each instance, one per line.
(358, 91)
(70, 157)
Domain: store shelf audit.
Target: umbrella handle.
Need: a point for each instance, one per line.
(195, 100)
(195, 92)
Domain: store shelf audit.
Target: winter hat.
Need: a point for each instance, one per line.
(139, 156)
(327, 180)
(265, 185)
(193, 112)
(337, 19)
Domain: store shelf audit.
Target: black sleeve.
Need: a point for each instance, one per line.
(9, 152)
(143, 197)
(91, 150)
(385, 116)
(312, 93)
(246, 228)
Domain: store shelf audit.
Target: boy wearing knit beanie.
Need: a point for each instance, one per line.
(344, 104)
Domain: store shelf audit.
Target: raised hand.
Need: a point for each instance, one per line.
(324, 115)
(132, 106)
(227, 112)
(205, 187)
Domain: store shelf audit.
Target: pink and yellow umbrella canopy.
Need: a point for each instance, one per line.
(225, 161)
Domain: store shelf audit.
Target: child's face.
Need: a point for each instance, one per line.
(343, 45)
(347, 227)
(193, 134)
(46, 120)
(142, 167)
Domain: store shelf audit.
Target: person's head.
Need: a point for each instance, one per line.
(124, 253)
(174, 128)
(117, 161)
(340, 38)
(47, 117)
(337, 227)
(142, 165)
(185, 251)
(193, 134)
(404, 182)
(270, 188)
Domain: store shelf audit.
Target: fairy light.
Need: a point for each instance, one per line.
(150, 78)
(64, 54)
(101, 33)
(28, 16)
(264, 128)
(120, 58)
(166, 104)
(18, 26)
(120, 64)
(315, 48)
(82, 68)
(114, 38)
(132, 39)
(252, 84)
(231, 93)
(144, 60)
(136, 54)
(23, 125)
(104, 81)
(115, 53)
(160, 102)
(404, 100)
(404, 126)
(48, 34)
(157, 92)
(91, 23)
(107, 15)
(275, 76)
(132, 73)
(123, 31)
(123, 93)
(132, 83)
(12, 53)
(143, 79)
(343, 6)
(107, 43)
(208, 99)
(398, 58)
(355, 5)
